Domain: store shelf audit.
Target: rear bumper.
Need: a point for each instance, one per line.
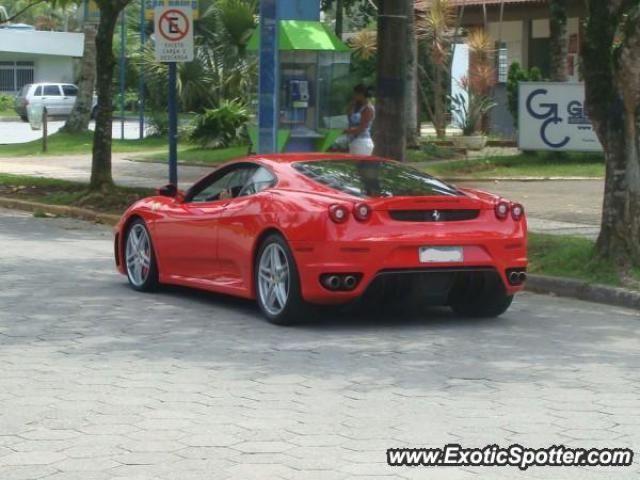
(376, 259)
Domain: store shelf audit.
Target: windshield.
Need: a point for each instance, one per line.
(367, 178)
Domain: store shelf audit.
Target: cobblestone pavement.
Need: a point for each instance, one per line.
(99, 382)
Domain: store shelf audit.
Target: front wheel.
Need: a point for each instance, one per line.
(277, 283)
(142, 269)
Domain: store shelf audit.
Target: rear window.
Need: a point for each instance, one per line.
(367, 178)
(70, 91)
(23, 91)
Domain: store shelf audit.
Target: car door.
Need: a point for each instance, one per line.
(241, 222)
(52, 99)
(187, 232)
(70, 94)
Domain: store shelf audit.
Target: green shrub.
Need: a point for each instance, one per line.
(6, 102)
(221, 127)
(518, 74)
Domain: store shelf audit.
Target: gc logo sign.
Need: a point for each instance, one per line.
(553, 117)
(549, 113)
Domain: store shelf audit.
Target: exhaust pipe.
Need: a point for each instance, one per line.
(332, 282)
(522, 277)
(514, 278)
(350, 282)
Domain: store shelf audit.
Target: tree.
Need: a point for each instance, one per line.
(411, 97)
(611, 68)
(101, 177)
(435, 27)
(339, 18)
(559, 41)
(391, 122)
(80, 116)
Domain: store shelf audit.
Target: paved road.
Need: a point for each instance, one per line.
(569, 207)
(78, 168)
(99, 382)
(562, 207)
(21, 132)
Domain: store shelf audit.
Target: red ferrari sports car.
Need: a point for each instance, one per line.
(296, 229)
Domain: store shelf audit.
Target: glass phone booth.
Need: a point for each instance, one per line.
(313, 76)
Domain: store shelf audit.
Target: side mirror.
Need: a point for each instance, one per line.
(171, 191)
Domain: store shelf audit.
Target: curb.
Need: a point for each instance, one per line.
(520, 179)
(561, 287)
(566, 287)
(60, 210)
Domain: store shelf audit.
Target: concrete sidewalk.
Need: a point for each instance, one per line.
(571, 207)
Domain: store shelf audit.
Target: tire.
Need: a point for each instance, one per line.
(483, 297)
(140, 260)
(282, 303)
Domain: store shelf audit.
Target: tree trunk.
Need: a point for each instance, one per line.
(339, 18)
(613, 100)
(101, 177)
(439, 114)
(559, 42)
(391, 124)
(411, 100)
(80, 116)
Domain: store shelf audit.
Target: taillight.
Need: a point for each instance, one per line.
(362, 212)
(339, 213)
(517, 211)
(502, 209)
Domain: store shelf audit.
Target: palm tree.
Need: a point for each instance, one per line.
(559, 42)
(222, 70)
(435, 27)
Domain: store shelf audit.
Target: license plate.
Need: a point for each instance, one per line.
(441, 254)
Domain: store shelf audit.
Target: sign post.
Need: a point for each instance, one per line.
(174, 43)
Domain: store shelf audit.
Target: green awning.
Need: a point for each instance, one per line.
(303, 35)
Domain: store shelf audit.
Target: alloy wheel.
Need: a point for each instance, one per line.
(273, 279)
(138, 255)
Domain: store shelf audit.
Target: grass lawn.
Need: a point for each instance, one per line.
(202, 156)
(62, 192)
(525, 165)
(430, 152)
(66, 144)
(573, 257)
(7, 113)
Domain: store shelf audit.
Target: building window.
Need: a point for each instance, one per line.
(15, 75)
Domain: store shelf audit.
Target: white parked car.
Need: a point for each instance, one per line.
(56, 98)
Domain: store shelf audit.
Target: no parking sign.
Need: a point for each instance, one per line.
(174, 34)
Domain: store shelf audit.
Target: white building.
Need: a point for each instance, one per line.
(31, 56)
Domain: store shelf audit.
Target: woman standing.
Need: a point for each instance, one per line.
(361, 116)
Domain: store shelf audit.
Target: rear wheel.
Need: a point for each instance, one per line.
(277, 282)
(481, 297)
(140, 261)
